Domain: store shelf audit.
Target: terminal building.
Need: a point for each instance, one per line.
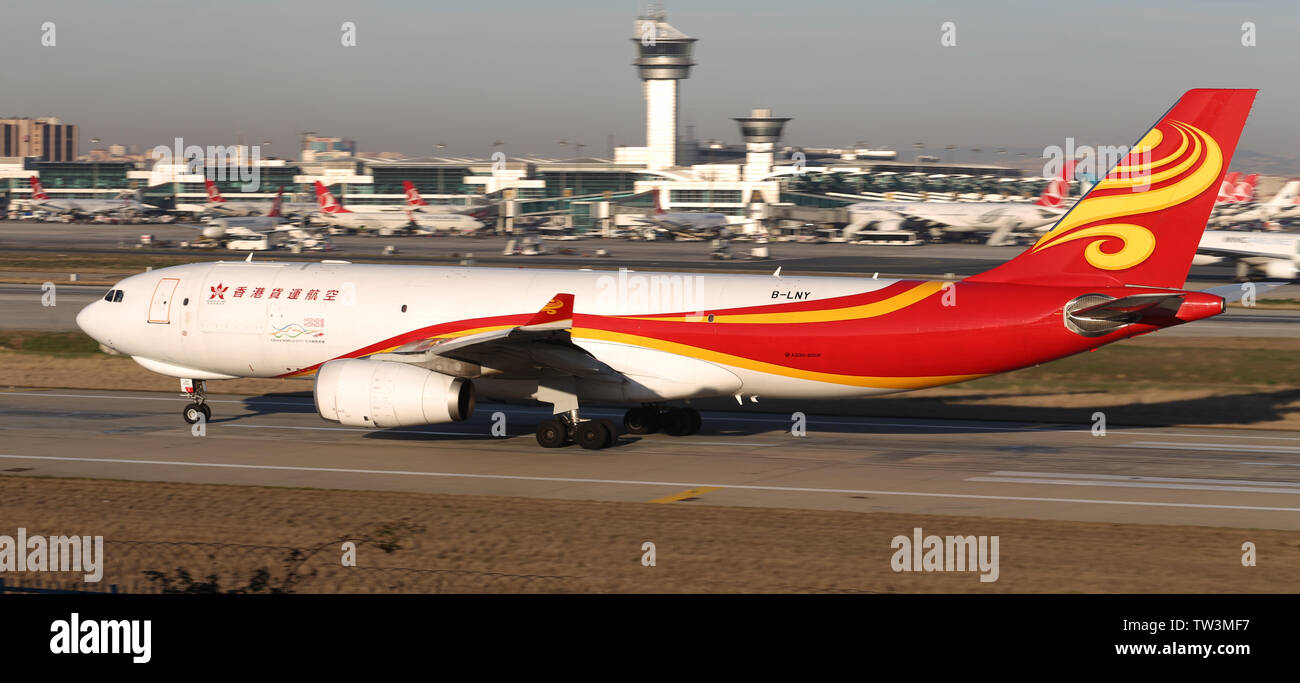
(762, 182)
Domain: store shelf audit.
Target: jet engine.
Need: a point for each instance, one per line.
(1279, 270)
(214, 230)
(369, 393)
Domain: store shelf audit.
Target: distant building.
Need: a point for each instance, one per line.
(663, 58)
(46, 138)
(316, 148)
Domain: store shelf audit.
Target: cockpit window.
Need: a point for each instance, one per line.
(109, 296)
(113, 296)
(117, 297)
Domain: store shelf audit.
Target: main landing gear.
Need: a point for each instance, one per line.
(196, 391)
(566, 428)
(673, 421)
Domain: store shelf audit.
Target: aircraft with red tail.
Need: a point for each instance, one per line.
(397, 345)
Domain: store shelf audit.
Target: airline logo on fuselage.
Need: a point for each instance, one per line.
(245, 292)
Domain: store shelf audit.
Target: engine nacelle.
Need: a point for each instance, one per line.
(1279, 269)
(370, 393)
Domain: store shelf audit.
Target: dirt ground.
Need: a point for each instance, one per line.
(222, 535)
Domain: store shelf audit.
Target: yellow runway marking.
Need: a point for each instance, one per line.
(688, 493)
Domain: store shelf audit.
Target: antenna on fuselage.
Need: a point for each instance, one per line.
(250, 258)
(777, 274)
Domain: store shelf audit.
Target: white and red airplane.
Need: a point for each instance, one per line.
(246, 226)
(335, 214)
(416, 203)
(125, 205)
(396, 345)
(998, 219)
(219, 205)
(1285, 205)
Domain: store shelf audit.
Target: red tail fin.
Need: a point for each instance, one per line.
(1142, 223)
(659, 207)
(326, 201)
(275, 205)
(413, 197)
(1245, 190)
(214, 195)
(38, 191)
(1226, 188)
(1059, 188)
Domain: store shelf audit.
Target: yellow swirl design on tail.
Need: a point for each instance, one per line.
(1137, 242)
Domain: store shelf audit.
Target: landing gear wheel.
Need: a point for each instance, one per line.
(195, 390)
(592, 435)
(552, 434)
(613, 432)
(641, 421)
(676, 422)
(194, 411)
(693, 416)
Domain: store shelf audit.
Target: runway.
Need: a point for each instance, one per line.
(1226, 478)
(29, 307)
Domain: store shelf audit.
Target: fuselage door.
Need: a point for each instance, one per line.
(161, 306)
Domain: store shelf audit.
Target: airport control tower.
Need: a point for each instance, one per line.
(663, 58)
(761, 132)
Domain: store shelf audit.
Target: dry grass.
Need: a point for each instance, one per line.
(486, 544)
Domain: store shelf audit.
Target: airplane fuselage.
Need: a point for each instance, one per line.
(665, 336)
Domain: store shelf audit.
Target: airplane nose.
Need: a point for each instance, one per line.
(91, 321)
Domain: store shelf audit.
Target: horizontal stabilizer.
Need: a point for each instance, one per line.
(1130, 304)
(1096, 315)
(1236, 291)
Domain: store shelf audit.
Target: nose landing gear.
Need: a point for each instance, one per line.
(196, 391)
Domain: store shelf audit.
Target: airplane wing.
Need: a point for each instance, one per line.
(1235, 253)
(543, 341)
(882, 219)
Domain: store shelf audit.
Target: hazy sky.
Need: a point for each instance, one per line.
(1022, 74)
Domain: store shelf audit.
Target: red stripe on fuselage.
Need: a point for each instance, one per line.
(989, 328)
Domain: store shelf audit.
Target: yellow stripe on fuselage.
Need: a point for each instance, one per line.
(871, 310)
(769, 368)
